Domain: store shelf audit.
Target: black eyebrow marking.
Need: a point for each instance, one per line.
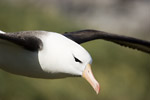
(77, 60)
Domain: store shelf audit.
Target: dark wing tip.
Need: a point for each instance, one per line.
(89, 34)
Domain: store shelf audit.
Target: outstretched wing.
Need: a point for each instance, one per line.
(88, 35)
(23, 39)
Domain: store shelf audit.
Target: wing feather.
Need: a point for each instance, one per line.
(23, 39)
(89, 35)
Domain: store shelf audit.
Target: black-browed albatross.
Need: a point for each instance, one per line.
(49, 55)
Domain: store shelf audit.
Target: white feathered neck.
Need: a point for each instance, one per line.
(57, 55)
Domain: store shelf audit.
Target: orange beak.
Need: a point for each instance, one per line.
(88, 75)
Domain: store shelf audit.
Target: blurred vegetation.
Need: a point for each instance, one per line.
(29, 17)
(123, 73)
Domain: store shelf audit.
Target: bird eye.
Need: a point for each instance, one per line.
(77, 60)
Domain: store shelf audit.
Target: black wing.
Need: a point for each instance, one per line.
(25, 39)
(88, 35)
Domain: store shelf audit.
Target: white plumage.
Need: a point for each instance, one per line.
(55, 60)
(1, 32)
(42, 54)
(57, 55)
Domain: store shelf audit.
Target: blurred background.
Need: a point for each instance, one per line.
(124, 74)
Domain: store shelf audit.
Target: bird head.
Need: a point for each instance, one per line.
(62, 56)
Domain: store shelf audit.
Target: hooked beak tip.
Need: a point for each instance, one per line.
(97, 89)
(88, 75)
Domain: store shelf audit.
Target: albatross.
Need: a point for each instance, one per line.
(50, 55)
